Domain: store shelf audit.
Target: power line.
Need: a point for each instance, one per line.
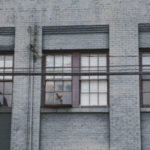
(76, 67)
(73, 73)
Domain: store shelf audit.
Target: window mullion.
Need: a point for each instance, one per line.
(75, 79)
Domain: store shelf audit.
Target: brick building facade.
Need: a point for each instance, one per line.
(33, 29)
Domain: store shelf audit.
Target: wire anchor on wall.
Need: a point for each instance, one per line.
(33, 42)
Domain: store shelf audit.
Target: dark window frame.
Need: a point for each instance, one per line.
(8, 53)
(76, 88)
(142, 51)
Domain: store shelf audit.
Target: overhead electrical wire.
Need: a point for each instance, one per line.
(75, 73)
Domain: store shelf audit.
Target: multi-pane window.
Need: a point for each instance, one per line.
(6, 82)
(93, 88)
(145, 79)
(75, 90)
(58, 88)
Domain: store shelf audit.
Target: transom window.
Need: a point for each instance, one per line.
(6, 82)
(145, 79)
(76, 90)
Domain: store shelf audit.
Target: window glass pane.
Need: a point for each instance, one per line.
(67, 86)
(85, 86)
(1, 61)
(58, 61)
(49, 77)
(93, 60)
(146, 86)
(7, 100)
(84, 70)
(58, 70)
(93, 77)
(49, 70)
(103, 99)
(1, 100)
(85, 99)
(93, 86)
(102, 77)
(49, 86)
(93, 99)
(102, 61)
(58, 98)
(102, 65)
(93, 65)
(67, 70)
(1, 88)
(67, 98)
(49, 98)
(84, 65)
(67, 61)
(146, 59)
(146, 98)
(1, 77)
(50, 61)
(58, 86)
(93, 70)
(8, 88)
(58, 65)
(8, 71)
(146, 68)
(84, 61)
(145, 76)
(1, 66)
(8, 61)
(102, 86)
(67, 66)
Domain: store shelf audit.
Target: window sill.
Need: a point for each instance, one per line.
(75, 110)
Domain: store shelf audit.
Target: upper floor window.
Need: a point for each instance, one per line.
(75, 90)
(58, 88)
(6, 82)
(145, 79)
(93, 88)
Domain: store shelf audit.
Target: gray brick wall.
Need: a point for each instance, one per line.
(124, 90)
(123, 18)
(74, 131)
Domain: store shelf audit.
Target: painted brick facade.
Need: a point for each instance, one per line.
(121, 126)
